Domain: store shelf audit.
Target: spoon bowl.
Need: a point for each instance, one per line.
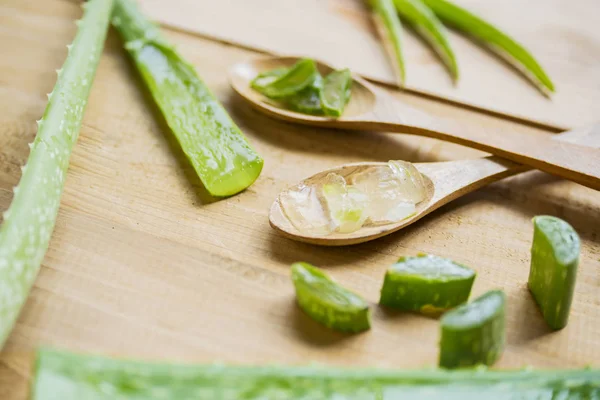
(372, 109)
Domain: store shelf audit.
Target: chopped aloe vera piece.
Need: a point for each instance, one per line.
(426, 24)
(266, 78)
(327, 302)
(67, 376)
(390, 29)
(217, 149)
(554, 261)
(336, 91)
(299, 76)
(493, 37)
(474, 333)
(347, 206)
(427, 284)
(308, 100)
(29, 221)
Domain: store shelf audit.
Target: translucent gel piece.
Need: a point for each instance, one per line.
(346, 205)
(302, 207)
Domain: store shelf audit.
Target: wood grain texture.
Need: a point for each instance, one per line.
(562, 34)
(142, 264)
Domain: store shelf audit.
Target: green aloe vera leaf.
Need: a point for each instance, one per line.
(427, 284)
(67, 376)
(327, 302)
(554, 261)
(266, 78)
(308, 100)
(390, 29)
(215, 146)
(493, 37)
(29, 221)
(336, 91)
(474, 333)
(299, 76)
(426, 24)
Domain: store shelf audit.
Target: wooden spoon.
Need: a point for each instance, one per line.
(372, 109)
(445, 182)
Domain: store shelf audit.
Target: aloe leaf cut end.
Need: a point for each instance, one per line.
(30, 219)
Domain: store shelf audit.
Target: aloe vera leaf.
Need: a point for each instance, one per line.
(327, 302)
(29, 221)
(266, 78)
(336, 92)
(474, 333)
(308, 100)
(67, 376)
(427, 284)
(425, 22)
(493, 37)
(554, 261)
(216, 148)
(390, 30)
(299, 76)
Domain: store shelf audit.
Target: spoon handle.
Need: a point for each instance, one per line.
(568, 160)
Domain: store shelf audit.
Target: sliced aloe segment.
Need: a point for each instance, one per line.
(327, 302)
(299, 76)
(493, 37)
(390, 29)
(474, 333)
(426, 284)
(308, 100)
(554, 261)
(266, 78)
(67, 376)
(215, 146)
(336, 91)
(426, 24)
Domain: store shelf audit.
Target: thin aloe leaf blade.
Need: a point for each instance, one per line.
(29, 221)
(554, 261)
(490, 35)
(390, 30)
(425, 23)
(327, 302)
(67, 376)
(215, 146)
(298, 77)
(337, 88)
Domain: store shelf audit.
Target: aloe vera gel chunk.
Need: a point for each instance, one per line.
(327, 302)
(426, 283)
(474, 333)
(554, 261)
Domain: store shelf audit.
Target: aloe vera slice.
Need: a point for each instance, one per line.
(474, 333)
(426, 284)
(424, 21)
(216, 148)
(554, 261)
(308, 100)
(390, 29)
(336, 91)
(29, 221)
(493, 37)
(266, 78)
(67, 376)
(327, 302)
(299, 76)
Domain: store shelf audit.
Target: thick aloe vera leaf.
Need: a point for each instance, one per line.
(424, 21)
(474, 333)
(66, 376)
(390, 29)
(554, 261)
(336, 91)
(493, 37)
(426, 284)
(328, 302)
(29, 221)
(299, 76)
(218, 151)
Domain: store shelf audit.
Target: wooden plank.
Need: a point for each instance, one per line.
(141, 266)
(561, 33)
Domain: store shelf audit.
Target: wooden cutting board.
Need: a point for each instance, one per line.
(142, 264)
(562, 34)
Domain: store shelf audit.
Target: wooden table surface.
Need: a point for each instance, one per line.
(142, 264)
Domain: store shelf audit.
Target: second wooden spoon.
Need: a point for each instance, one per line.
(372, 109)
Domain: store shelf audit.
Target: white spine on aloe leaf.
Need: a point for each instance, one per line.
(29, 221)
